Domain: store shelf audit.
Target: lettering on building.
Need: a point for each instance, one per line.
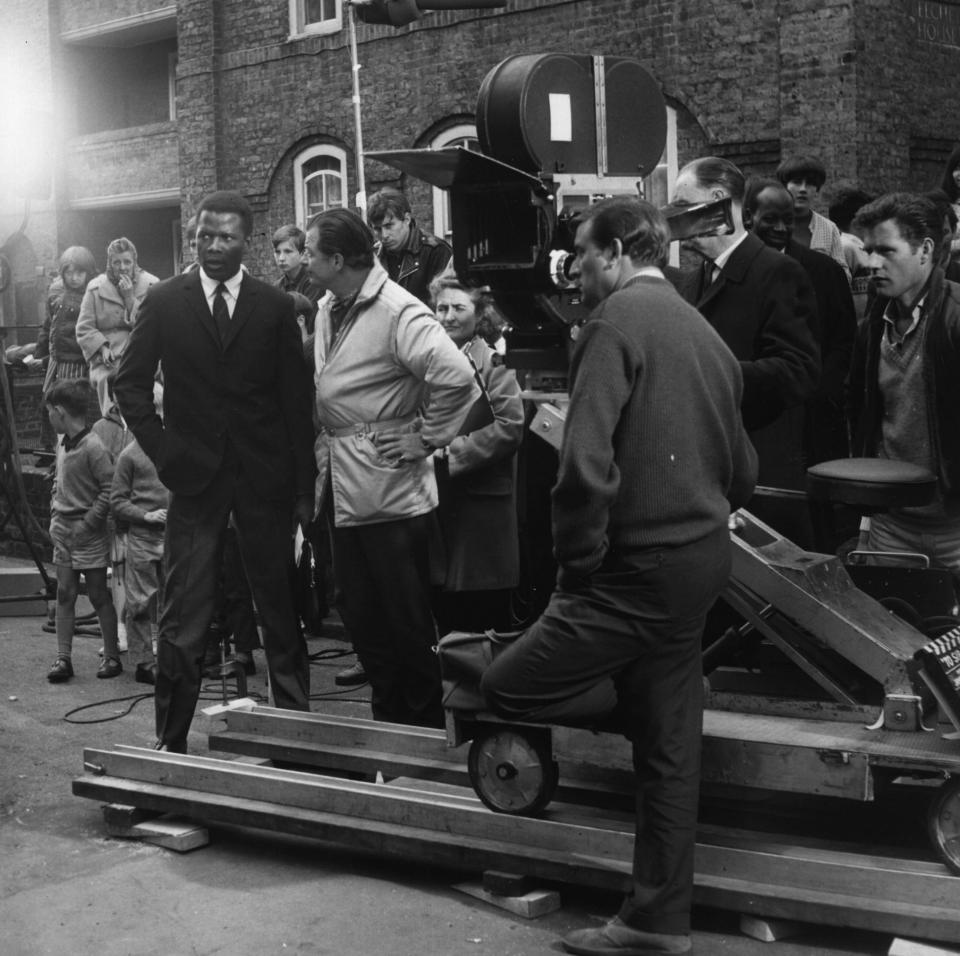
(938, 22)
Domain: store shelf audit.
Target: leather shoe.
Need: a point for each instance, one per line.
(145, 674)
(62, 670)
(109, 667)
(351, 676)
(616, 938)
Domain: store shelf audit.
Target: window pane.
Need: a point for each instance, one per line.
(314, 190)
(323, 191)
(316, 11)
(334, 191)
(319, 163)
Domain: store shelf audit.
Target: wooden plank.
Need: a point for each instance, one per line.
(769, 930)
(178, 835)
(327, 729)
(351, 798)
(729, 881)
(529, 905)
(764, 859)
(911, 947)
(336, 757)
(381, 838)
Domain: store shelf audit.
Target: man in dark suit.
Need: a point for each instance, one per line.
(763, 307)
(236, 437)
(768, 212)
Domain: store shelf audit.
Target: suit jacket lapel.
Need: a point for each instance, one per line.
(246, 302)
(193, 290)
(734, 269)
(708, 289)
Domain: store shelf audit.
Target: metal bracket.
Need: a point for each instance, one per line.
(900, 712)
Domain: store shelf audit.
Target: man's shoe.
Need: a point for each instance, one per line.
(351, 677)
(145, 674)
(62, 670)
(616, 938)
(109, 667)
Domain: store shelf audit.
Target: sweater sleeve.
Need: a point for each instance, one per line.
(602, 375)
(121, 492)
(101, 467)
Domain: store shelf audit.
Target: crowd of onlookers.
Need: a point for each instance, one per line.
(793, 329)
(364, 398)
(109, 505)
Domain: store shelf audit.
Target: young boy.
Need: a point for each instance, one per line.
(288, 245)
(78, 525)
(139, 501)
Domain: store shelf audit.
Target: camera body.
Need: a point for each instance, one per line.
(539, 116)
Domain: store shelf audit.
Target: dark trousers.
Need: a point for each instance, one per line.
(196, 526)
(626, 642)
(383, 581)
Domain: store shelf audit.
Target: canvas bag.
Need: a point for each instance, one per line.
(464, 656)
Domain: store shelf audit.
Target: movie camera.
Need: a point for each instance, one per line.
(545, 120)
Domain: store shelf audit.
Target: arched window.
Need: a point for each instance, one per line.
(320, 181)
(464, 134)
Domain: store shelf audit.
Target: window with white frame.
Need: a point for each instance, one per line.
(320, 181)
(465, 135)
(315, 16)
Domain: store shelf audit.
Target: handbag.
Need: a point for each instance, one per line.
(481, 411)
(464, 657)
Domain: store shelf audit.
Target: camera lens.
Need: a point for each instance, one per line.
(561, 264)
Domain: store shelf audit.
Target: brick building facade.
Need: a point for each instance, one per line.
(153, 103)
(140, 107)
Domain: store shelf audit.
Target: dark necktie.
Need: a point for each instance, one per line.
(221, 314)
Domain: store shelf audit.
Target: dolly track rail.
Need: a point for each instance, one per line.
(759, 874)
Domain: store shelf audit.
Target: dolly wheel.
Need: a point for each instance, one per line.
(513, 771)
(943, 823)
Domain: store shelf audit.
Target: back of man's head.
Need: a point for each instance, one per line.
(715, 172)
(916, 217)
(344, 232)
(802, 167)
(227, 201)
(292, 234)
(641, 228)
(387, 200)
(844, 205)
(70, 394)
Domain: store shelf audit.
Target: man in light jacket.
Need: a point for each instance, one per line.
(391, 388)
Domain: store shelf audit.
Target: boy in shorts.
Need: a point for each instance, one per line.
(78, 525)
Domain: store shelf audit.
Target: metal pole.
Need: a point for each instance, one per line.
(357, 125)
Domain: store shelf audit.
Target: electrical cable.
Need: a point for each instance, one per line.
(136, 698)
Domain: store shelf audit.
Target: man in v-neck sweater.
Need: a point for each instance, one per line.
(904, 390)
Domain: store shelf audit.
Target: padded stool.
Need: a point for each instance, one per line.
(867, 485)
(871, 484)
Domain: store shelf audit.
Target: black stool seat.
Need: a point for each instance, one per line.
(873, 484)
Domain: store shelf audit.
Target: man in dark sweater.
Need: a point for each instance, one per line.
(654, 458)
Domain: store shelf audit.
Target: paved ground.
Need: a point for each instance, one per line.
(65, 888)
